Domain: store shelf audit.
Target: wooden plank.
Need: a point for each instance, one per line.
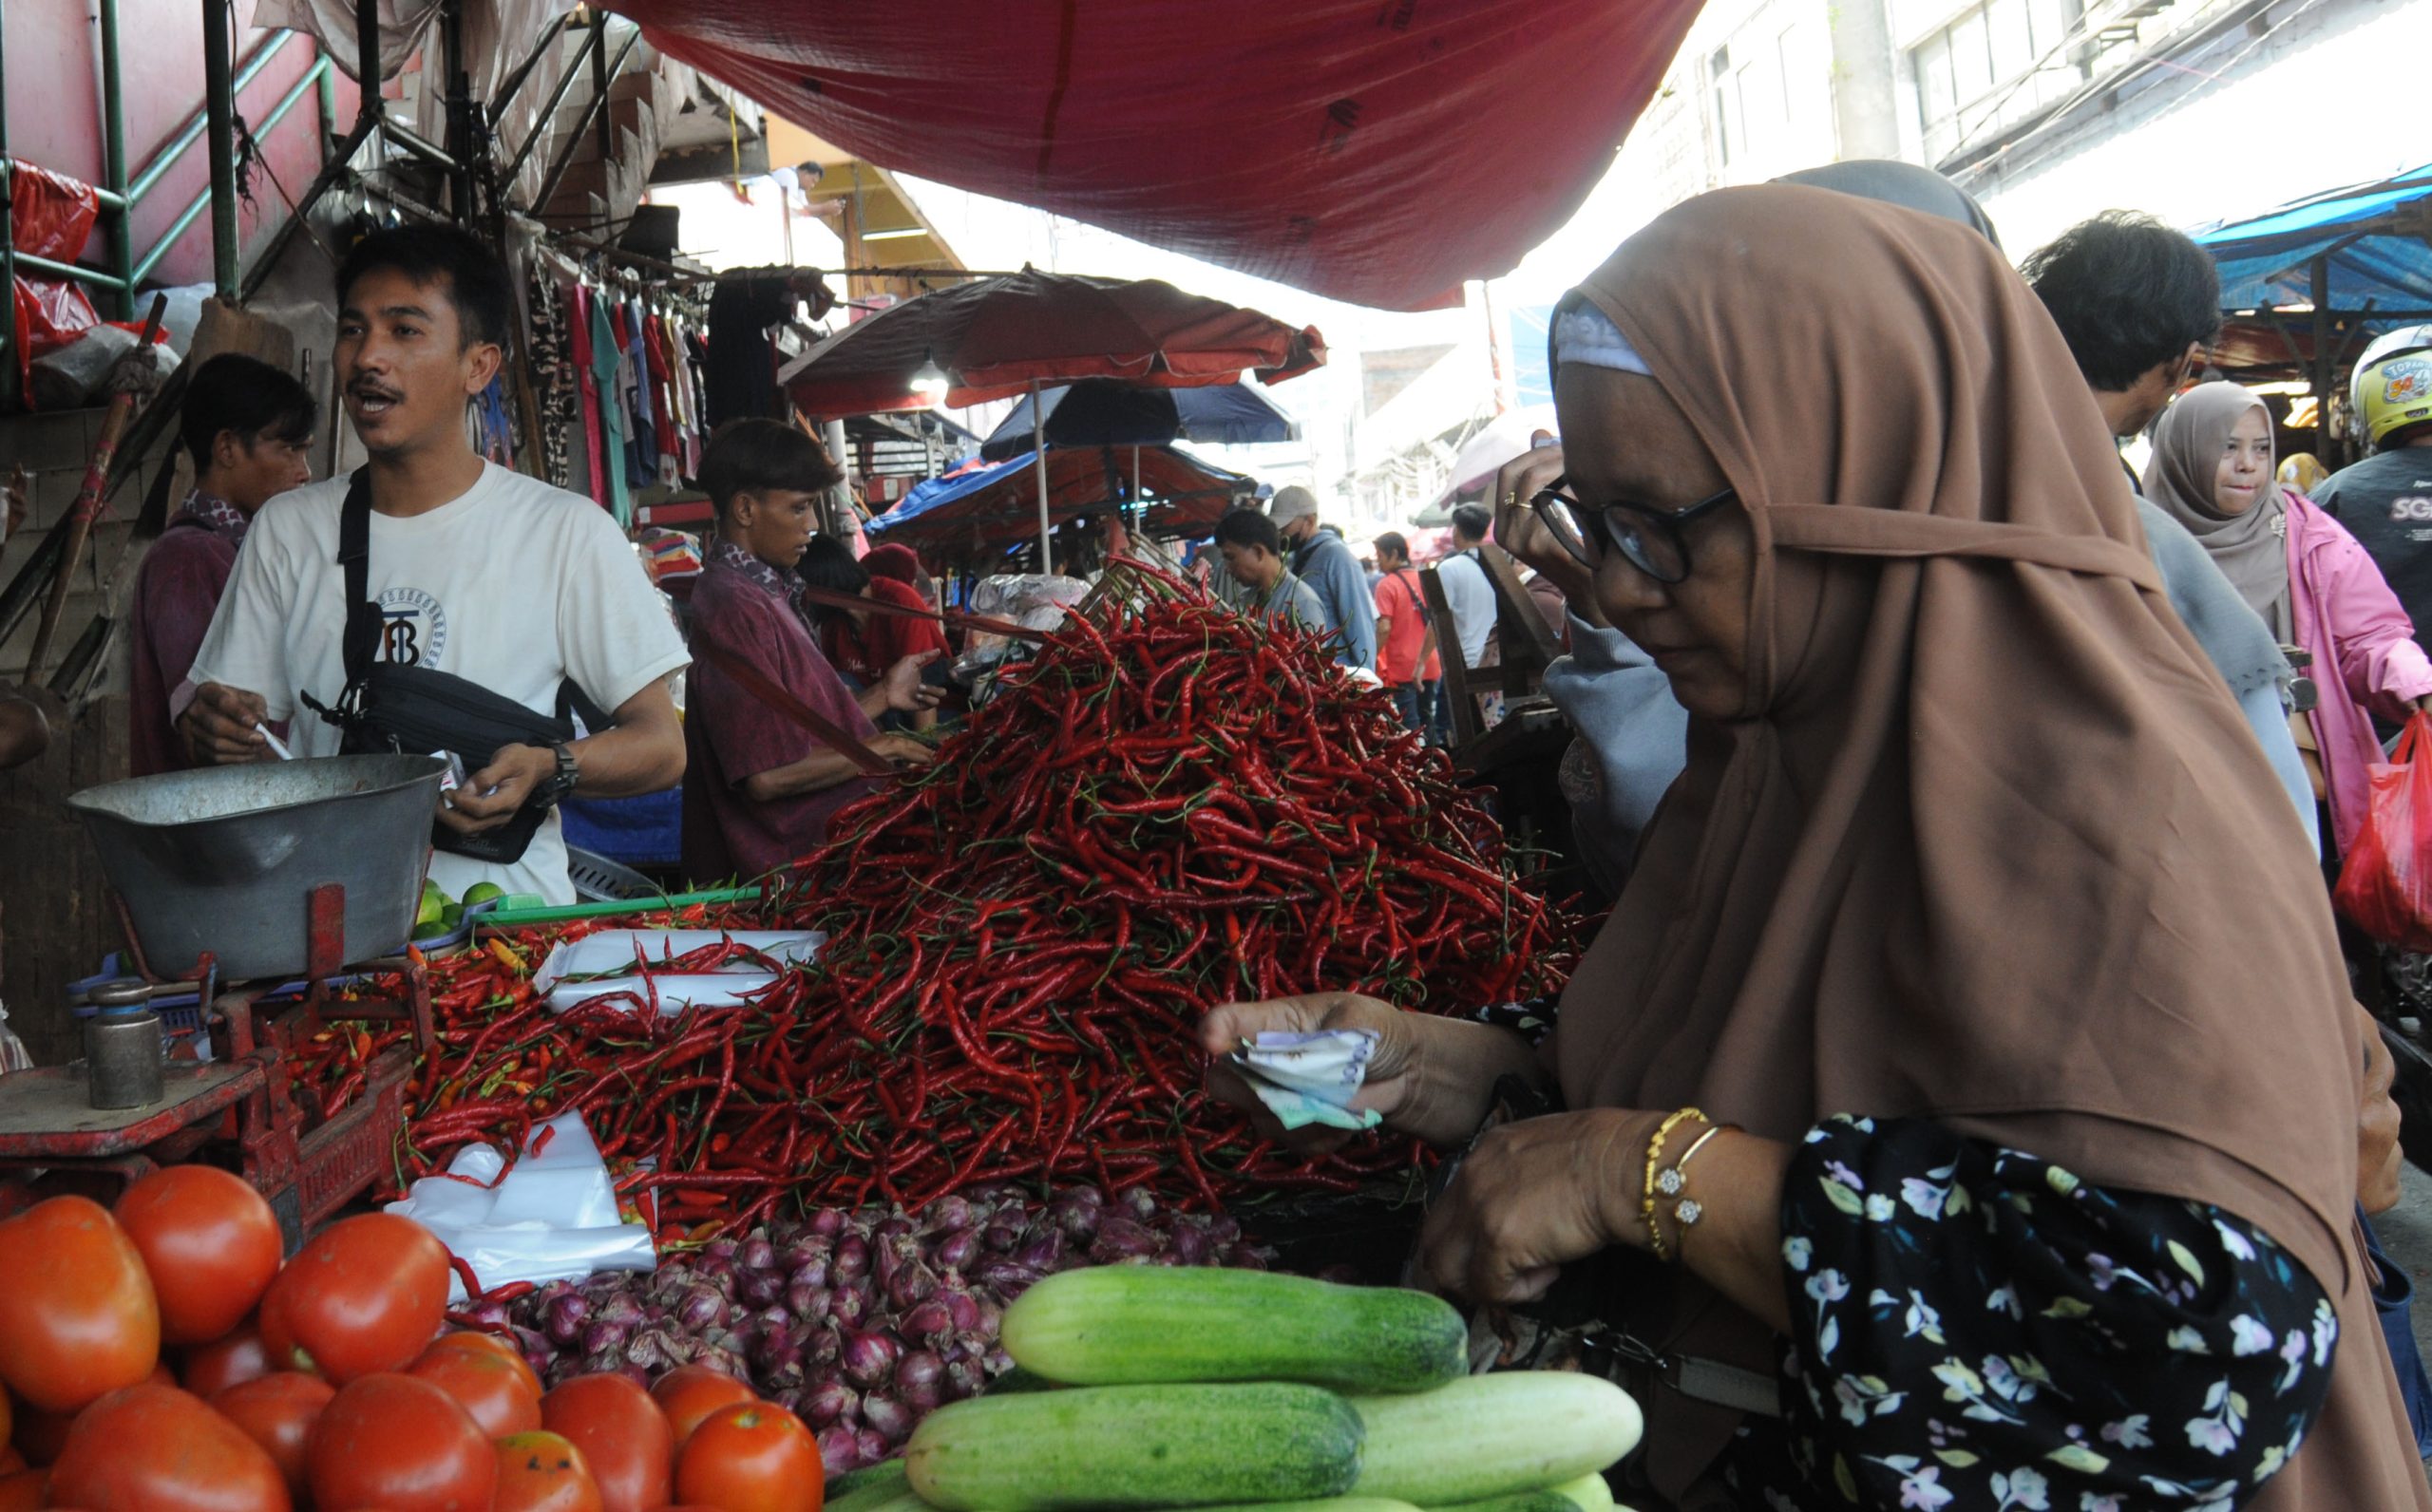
(1464, 708)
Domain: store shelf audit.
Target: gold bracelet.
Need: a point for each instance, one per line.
(1654, 1155)
(1687, 1210)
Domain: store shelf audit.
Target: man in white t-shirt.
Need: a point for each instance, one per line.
(479, 572)
(1467, 592)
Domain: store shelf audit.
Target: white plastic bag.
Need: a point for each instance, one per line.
(552, 1218)
(618, 949)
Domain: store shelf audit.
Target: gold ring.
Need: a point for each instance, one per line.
(1512, 498)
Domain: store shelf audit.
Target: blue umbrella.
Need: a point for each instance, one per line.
(1097, 412)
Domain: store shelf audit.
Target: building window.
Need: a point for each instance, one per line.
(1753, 81)
(1994, 66)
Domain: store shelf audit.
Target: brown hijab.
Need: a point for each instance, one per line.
(1981, 849)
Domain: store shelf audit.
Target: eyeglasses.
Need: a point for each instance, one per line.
(1649, 540)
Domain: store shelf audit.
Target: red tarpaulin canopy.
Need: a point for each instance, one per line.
(1377, 151)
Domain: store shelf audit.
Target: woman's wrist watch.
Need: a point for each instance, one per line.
(559, 784)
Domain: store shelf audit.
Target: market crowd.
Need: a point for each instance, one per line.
(1966, 1102)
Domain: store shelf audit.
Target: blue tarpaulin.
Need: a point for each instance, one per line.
(2372, 235)
(996, 506)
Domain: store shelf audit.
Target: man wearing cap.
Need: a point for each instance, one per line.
(1325, 561)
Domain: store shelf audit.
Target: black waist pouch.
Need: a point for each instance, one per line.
(392, 706)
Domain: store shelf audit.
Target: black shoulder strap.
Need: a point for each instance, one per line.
(362, 640)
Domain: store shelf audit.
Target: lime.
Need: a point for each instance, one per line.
(434, 899)
(452, 917)
(482, 892)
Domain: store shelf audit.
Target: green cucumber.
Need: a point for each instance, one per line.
(1493, 1435)
(1589, 1493)
(1129, 1325)
(1119, 1447)
(1331, 1504)
(1517, 1502)
(860, 1490)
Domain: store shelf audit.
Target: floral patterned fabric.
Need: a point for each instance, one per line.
(1976, 1328)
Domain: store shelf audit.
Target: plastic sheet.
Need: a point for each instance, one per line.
(614, 950)
(552, 1218)
(1378, 151)
(1028, 599)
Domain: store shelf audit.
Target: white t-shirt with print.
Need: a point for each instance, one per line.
(514, 585)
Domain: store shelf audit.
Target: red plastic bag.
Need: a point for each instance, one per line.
(2386, 883)
(51, 216)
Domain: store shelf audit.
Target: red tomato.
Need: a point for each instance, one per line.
(398, 1443)
(481, 1343)
(41, 1435)
(278, 1411)
(485, 1385)
(754, 1458)
(622, 1433)
(691, 1392)
(365, 1294)
(543, 1472)
(213, 1368)
(210, 1243)
(11, 1460)
(155, 1449)
(23, 1491)
(77, 1316)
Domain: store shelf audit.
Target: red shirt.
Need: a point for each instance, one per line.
(1398, 598)
(179, 587)
(883, 639)
(731, 735)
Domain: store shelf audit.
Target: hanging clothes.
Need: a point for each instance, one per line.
(642, 451)
(609, 368)
(493, 425)
(554, 391)
(663, 403)
(581, 306)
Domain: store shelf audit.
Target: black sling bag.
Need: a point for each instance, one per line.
(395, 706)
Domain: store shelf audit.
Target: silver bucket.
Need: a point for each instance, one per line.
(223, 859)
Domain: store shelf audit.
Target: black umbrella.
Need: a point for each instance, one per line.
(1099, 412)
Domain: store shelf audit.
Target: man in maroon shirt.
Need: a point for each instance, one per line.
(247, 426)
(758, 787)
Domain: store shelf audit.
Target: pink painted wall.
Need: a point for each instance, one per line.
(54, 115)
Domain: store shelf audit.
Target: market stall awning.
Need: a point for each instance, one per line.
(1097, 413)
(998, 337)
(2374, 242)
(995, 508)
(1332, 144)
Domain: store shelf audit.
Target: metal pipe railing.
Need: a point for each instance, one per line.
(522, 74)
(149, 178)
(590, 43)
(313, 79)
(592, 111)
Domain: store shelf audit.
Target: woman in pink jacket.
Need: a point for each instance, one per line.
(2309, 580)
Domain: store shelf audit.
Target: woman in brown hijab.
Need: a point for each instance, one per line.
(1967, 1074)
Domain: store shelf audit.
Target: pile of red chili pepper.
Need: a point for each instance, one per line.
(1171, 807)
